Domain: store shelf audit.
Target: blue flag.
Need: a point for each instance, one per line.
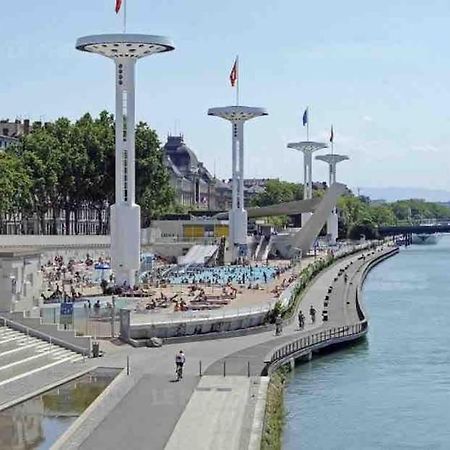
(305, 117)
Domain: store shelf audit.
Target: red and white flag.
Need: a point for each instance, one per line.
(118, 6)
(234, 73)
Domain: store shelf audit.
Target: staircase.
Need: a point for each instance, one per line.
(22, 355)
(263, 249)
(258, 247)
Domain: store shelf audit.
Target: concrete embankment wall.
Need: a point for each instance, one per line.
(77, 246)
(366, 270)
(212, 326)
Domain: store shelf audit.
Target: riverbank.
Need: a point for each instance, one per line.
(221, 399)
(285, 356)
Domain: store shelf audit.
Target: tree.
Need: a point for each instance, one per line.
(278, 192)
(40, 155)
(15, 187)
(71, 165)
(153, 191)
(383, 215)
(99, 140)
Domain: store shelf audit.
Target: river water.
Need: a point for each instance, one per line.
(391, 391)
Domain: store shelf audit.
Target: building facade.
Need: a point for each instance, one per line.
(193, 184)
(10, 132)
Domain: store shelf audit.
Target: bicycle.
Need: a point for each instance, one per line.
(179, 372)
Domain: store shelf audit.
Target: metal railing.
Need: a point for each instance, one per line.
(308, 342)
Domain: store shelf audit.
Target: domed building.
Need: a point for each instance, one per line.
(193, 184)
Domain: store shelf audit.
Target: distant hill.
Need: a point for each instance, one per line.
(391, 194)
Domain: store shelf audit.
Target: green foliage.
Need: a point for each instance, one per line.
(274, 419)
(66, 165)
(278, 192)
(359, 216)
(153, 190)
(15, 185)
(274, 312)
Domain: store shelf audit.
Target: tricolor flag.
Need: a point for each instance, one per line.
(118, 6)
(332, 134)
(234, 73)
(305, 117)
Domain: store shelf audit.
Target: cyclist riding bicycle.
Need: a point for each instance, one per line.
(312, 313)
(180, 359)
(301, 320)
(278, 325)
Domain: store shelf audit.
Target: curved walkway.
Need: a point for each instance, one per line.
(147, 410)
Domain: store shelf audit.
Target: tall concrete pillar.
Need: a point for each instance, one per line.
(332, 223)
(307, 148)
(237, 115)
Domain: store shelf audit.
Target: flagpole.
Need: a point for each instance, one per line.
(307, 124)
(332, 140)
(237, 80)
(124, 16)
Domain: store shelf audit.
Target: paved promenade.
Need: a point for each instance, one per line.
(148, 409)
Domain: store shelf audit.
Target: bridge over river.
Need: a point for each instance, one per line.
(416, 229)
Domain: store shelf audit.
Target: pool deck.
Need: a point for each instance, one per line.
(147, 409)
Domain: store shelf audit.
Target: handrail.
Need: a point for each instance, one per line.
(315, 339)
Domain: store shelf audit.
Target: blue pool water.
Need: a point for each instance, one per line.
(222, 275)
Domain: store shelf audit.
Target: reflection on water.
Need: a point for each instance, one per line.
(37, 423)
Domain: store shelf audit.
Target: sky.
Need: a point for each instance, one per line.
(378, 71)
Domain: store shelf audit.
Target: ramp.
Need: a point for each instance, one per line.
(198, 254)
(281, 209)
(304, 239)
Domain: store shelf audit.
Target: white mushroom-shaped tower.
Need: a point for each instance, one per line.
(332, 223)
(307, 148)
(238, 115)
(125, 49)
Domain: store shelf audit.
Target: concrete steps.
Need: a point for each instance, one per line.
(22, 355)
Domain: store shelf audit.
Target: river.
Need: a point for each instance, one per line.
(391, 391)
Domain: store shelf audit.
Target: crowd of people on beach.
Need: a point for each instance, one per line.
(66, 282)
(69, 282)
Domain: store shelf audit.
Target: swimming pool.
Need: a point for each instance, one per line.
(221, 275)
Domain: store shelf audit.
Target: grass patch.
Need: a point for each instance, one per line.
(274, 418)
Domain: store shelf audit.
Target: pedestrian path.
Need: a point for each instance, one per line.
(156, 411)
(218, 405)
